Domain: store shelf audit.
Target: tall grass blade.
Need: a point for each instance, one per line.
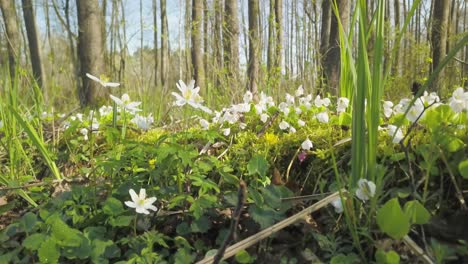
(38, 143)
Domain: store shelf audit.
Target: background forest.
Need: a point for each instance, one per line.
(226, 46)
(257, 131)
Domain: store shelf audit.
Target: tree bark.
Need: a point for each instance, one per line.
(164, 44)
(197, 47)
(231, 40)
(332, 58)
(271, 38)
(439, 38)
(155, 44)
(34, 47)
(12, 35)
(254, 37)
(90, 52)
(218, 49)
(279, 39)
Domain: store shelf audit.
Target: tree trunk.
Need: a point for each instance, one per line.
(279, 40)
(164, 44)
(439, 38)
(12, 34)
(197, 47)
(332, 58)
(271, 38)
(34, 47)
(218, 49)
(155, 44)
(254, 37)
(396, 60)
(231, 41)
(90, 52)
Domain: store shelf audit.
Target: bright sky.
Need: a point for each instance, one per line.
(132, 15)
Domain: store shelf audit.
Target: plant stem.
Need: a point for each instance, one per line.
(135, 225)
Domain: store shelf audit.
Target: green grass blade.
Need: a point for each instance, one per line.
(39, 143)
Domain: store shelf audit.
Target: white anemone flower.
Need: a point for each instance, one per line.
(125, 103)
(84, 132)
(299, 91)
(307, 144)
(415, 111)
(338, 205)
(204, 124)
(301, 122)
(430, 98)
(264, 117)
(226, 131)
(366, 190)
(342, 104)
(140, 202)
(292, 130)
(397, 135)
(289, 99)
(248, 96)
(189, 95)
(322, 117)
(283, 125)
(388, 108)
(143, 122)
(102, 82)
(459, 100)
(284, 107)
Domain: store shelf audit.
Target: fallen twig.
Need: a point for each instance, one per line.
(418, 250)
(232, 250)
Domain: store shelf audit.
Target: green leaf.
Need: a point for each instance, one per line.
(463, 168)
(272, 196)
(345, 119)
(183, 256)
(392, 220)
(264, 216)
(34, 241)
(183, 229)
(390, 257)
(48, 252)
(416, 213)
(243, 257)
(28, 221)
(95, 232)
(201, 225)
(99, 250)
(121, 220)
(63, 234)
(257, 165)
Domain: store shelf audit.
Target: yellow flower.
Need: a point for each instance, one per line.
(271, 139)
(152, 163)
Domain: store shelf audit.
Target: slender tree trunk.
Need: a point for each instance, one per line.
(332, 59)
(325, 32)
(231, 41)
(34, 47)
(439, 37)
(188, 31)
(218, 49)
(164, 44)
(90, 50)
(197, 47)
(12, 35)
(279, 40)
(254, 37)
(155, 44)
(271, 38)
(396, 60)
